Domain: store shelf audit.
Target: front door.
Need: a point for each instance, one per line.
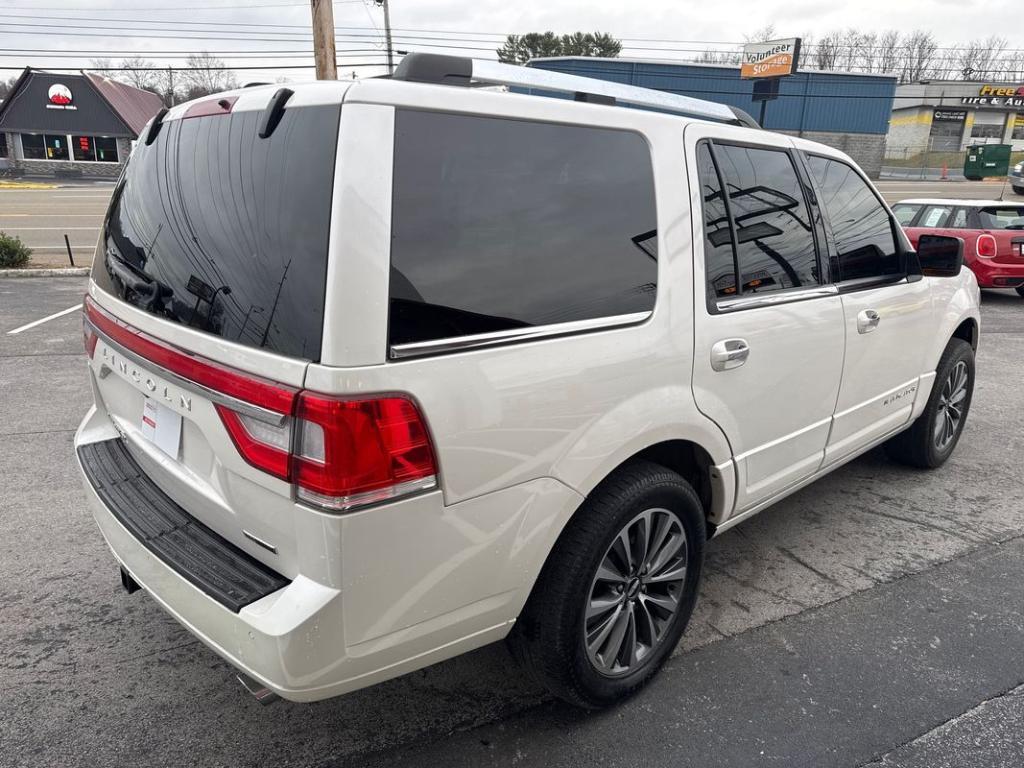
(769, 330)
(885, 316)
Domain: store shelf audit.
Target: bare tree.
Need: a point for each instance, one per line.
(102, 65)
(919, 49)
(889, 51)
(205, 74)
(765, 33)
(826, 52)
(139, 72)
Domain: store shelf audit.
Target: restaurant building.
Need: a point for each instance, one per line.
(948, 116)
(69, 125)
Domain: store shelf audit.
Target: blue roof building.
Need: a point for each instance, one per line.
(846, 110)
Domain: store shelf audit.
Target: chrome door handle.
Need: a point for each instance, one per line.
(729, 353)
(867, 321)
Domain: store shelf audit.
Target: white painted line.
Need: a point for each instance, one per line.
(54, 316)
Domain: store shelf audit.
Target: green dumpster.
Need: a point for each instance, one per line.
(987, 160)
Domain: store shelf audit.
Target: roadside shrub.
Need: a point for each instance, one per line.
(13, 252)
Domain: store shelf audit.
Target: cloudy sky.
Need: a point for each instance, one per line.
(264, 33)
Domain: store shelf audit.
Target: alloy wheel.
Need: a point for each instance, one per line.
(635, 593)
(951, 406)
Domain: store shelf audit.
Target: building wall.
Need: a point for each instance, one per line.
(809, 101)
(58, 168)
(908, 131)
(866, 149)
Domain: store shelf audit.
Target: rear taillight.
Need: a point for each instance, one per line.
(354, 452)
(986, 246)
(339, 453)
(89, 336)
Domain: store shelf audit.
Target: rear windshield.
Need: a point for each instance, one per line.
(220, 230)
(1008, 217)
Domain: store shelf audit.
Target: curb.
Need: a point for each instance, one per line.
(56, 272)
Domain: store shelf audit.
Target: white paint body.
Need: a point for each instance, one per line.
(522, 432)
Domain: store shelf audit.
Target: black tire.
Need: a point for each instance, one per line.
(921, 445)
(1020, 291)
(1017, 190)
(550, 639)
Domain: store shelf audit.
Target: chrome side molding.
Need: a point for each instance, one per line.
(496, 338)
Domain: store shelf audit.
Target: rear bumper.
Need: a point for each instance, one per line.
(995, 274)
(307, 641)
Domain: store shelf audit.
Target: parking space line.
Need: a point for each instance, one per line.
(54, 316)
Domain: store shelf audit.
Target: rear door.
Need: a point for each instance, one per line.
(887, 318)
(768, 327)
(208, 291)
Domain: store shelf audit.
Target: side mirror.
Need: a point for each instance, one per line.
(940, 256)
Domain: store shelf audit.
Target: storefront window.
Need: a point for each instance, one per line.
(32, 146)
(3, 145)
(106, 149)
(1018, 128)
(988, 126)
(56, 147)
(83, 148)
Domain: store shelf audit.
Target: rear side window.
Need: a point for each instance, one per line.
(864, 240)
(218, 229)
(774, 246)
(1008, 217)
(934, 216)
(959, 219)
(905, 213)
(500, 224)
(719, 257)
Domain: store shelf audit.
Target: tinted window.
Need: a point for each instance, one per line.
(1008, 217)
(32, 146)
(56, 147)
(215, 228)
(775, 241)
(106, 149)
(719, 262)
(905, 213)
(934, 216)
(864, 241)
(501, 224)
(83, 148)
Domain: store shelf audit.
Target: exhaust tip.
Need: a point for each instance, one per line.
(260, 692)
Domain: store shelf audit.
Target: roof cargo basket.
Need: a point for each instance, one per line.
(457, 70)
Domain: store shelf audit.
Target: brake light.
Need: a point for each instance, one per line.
(986, 246)
(355, 452)
(339, 453)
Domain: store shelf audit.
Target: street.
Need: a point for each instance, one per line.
(41, 218)
(874, 618)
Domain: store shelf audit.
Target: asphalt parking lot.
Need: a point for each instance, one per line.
(41, 217)
(874, 618)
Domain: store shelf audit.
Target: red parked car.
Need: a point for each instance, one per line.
(992, 231)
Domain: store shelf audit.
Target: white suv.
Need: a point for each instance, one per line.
(387, 371)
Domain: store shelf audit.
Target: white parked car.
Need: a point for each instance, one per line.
(386, 371)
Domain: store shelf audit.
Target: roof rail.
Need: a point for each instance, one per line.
(458, 70)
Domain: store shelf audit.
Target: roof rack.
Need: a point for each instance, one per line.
(458, 70)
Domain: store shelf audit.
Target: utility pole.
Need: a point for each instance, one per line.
(323, 40)
(170, 86)
(387, 33)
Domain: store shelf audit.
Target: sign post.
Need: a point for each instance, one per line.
(766, 64)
